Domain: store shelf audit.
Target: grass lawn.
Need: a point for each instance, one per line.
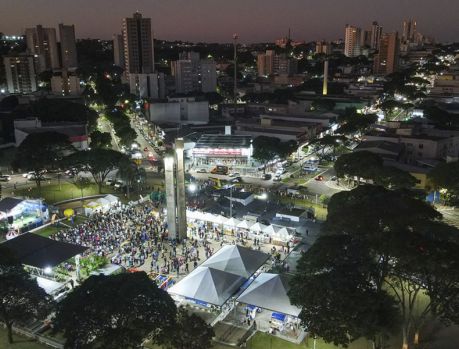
(53, 193)
(49, 230)
(265, 341)
(19, 342)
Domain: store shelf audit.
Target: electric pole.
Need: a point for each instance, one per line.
(235, 38)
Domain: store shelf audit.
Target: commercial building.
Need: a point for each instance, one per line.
(20, 74)
(68, 46)
(180, 110)
(445, 85)
(42, 44)
(146, 85)
(386, 60)
(193, 74)
(352, 41)
(76, 132)
(66, 83)
(227, 149)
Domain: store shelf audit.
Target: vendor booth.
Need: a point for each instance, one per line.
(103, 204)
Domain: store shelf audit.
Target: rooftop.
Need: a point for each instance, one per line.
(223, 141)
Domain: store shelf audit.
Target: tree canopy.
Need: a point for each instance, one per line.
(99, 162)
(100, 139)
(369, 166)
(21, 299)
(353, 122)
(117, 311)
(266, 148)
(446, 175)
(385, 258)
(41, 151)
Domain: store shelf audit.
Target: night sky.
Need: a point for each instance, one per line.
(216, 20)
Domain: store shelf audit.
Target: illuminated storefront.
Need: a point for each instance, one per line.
(229, 150)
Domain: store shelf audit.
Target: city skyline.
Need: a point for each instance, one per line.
(255, 21)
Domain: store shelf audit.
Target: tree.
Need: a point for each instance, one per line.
(128, 172)
(440, 117)
(191, 332)
(266, 149)
(116, 311)
(81, 183)
(330, 141)
(353, 122)
(369, 166)
(323, 104)
(99, 162)
(126, 134)
(100, 139)
(446, 175)
(21, 299)
(40, 152)
(398, 251)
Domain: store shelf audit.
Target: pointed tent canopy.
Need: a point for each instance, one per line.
(269, 291)
(270, 229)
(283, 233)
(111, 198)
(257, 227)
(243, 225)
(208, 285)
(232, 222)
(237, 260)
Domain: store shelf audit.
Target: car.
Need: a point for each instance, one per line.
(277, 178)
(267, 176)
(236, 180)
(119, 184)
(5, 178)
(334, 178)
(145, 149)
(110, 182)
(234, 174)
(202, 170)
(319, 178)
(280, 171)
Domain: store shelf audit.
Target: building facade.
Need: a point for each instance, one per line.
(118, 50)
(42, 44)
(352, 41)
(68, 46)
(387, 58)
(20, 74)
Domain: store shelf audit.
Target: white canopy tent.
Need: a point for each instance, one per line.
(269, 291)
(232, 222)
(243, 225)
(282, 233)
(270, 229)
(237, 260)
(208, 285)
(258, 227)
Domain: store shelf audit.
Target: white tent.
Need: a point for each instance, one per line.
(112, 199)
(232, 222)
(257, 227)
(243, 225)
(208, 285)
(269, 291)
(270, 229)
(283, 234)
(237, 260)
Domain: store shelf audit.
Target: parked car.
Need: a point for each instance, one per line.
(319, 178)
(236, 180)
(201, 170)
(234, 174)
(110, 182)
(267, 176)
(277, 178)
(334, 178)
(119, 184)
(5, 178)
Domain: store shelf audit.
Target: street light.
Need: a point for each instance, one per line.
(192, 187)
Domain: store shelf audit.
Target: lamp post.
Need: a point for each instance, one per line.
(235, 38)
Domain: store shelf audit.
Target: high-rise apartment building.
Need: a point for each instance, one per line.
(409, 30)
(386, 60)
(20, 73)
(118, 50)
(193, 74)
(42, 44)
(376, 33)
(68, 46)
(323, 47)
(138, 45)
(352, 41)
(270, 63)
(365, 39)
(65, 83)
